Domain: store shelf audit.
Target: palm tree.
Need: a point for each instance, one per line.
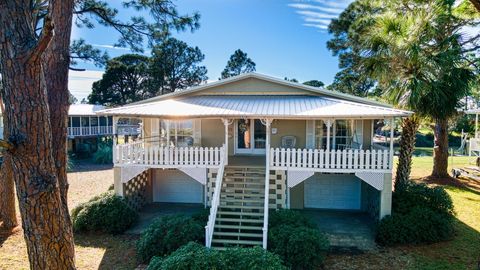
(414, 50)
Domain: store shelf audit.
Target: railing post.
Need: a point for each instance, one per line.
(226, 123)
(267, 123)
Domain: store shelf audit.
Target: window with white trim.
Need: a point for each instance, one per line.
(181, 133)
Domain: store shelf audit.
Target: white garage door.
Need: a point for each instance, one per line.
(332, 192)
(175, 186)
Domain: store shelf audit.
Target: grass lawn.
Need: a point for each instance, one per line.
(100, 251)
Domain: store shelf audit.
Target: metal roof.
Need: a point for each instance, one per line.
(84, 109)
(313, 90)
(274, 106)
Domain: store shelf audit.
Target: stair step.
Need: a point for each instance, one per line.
(238, 242)
(226, 187)
(239, 220)
(240, 213)
(237, 227)
(243, 200)
(237, 234)
(221, 206)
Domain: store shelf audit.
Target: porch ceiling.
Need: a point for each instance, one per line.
(254, 106)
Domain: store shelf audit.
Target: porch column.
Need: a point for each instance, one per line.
(81, 126)
(392, 123)
(226, 123)
(386, 196)
(328, 123)
(89, 125)
(267, 122)
(476, 125)
(115, 138)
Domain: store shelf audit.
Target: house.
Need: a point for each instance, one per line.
(249, 144)
(85, 127)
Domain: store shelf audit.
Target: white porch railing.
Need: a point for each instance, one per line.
(140, 153)
(90, 131)
(347, 161)
(215, 201)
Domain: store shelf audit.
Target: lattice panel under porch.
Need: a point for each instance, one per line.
(135, 191)
(211, 177)
(277, 198)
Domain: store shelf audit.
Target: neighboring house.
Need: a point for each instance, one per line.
(85, 127)
(252, 143)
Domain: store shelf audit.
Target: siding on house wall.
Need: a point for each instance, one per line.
(296, 197)
(367, 134)
(253, 86)
(289, 127)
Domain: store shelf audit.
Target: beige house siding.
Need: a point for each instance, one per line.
(297, 196)
(367, 134)
(253, 86)
(295, 128)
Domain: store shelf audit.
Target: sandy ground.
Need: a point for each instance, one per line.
(93, 251)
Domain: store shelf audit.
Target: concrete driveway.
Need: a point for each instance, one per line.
(155, 210)
(346, 230)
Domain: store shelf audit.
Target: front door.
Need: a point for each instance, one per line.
(250, 137)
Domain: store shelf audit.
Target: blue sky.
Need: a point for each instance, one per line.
(285, 38)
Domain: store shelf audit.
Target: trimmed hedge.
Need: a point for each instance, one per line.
(297, 240)
(104, 213)
(166, 234)
(420, 214)
(196, 256)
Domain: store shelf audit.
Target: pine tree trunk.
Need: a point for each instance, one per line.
(47, 233)
(440, 149)
(407, 146)
(8, 215)
(57, 62)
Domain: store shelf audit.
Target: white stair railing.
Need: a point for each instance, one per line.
(215, 201)
(266, 201)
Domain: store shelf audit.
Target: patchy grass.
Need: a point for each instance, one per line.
(93, 251)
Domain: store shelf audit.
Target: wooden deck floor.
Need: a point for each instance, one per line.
(246, 160)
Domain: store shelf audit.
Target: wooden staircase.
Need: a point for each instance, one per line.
(239, 220)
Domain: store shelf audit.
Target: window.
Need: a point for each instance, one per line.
(181, 133)
(343, 134)
(340, 134)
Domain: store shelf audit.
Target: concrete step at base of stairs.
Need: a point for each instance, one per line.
(236, 242)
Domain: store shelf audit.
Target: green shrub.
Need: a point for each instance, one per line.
(202, 216)
(436, 199)
(289, 217)
(190, 256)
(420, 225)
(196, 256)
(168, 233)
(251, 259)
(104, 213)
(104, 153)
(300, 247)
(420, 214)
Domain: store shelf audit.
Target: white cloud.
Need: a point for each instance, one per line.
(314, 7)
(319, 26)
(314, 14)
(319, 13)
(110, 47)
(80, 82)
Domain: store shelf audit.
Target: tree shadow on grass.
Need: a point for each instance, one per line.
(462, 252)
(118, 250)
(6, 233)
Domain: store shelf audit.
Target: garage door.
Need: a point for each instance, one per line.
(332, 192)
(177, 187)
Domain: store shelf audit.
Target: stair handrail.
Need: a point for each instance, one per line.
(267, 199)
(215, 200)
